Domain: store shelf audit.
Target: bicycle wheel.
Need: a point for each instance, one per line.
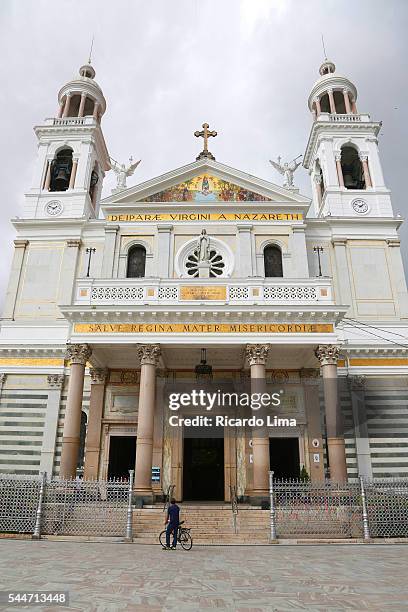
(186, 540)
(162, 538)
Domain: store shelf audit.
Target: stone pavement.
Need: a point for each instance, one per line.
(117, 576)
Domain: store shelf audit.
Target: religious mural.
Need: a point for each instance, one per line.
(206, 188)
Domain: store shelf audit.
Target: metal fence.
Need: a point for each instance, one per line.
(66, 507)
(368, 508)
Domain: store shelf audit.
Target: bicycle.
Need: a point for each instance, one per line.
(183, 537)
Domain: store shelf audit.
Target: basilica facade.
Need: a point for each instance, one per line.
(205, 277)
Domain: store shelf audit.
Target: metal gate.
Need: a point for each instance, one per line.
(18, 502)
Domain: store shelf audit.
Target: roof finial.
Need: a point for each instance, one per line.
(90, 50)
(324, 49)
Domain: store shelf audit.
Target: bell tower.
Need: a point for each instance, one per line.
(342, 152)
(72, 154)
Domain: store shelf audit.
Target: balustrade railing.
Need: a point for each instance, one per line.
(231, 291)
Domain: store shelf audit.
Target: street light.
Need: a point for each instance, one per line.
(90, 251)
(318, 250)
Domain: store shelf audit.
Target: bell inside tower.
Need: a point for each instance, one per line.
(353, 174)
(61, 167)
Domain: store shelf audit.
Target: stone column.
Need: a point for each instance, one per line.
(55, 382)
(163, 250)
(318, 108)
(109, 250)
(356, 386)
(79, 355)
(95, 110)
(47, 181)
(244, 250)
(14, 279)
(93, 436)
(353, 107)
(328, 355)
(398, 275)
(367, 177)
(347, 101)
(68, 271)
(331, 101)
(256, 355)
(318, 183)
(67, 105)
(73, 174)
(60, 110)
(149, 356)
(339, 170)
(343, 274)
(82, 105)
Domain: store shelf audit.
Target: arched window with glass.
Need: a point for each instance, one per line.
(136, 262)
(273, 261)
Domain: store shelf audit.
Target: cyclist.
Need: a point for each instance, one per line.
(172, 521)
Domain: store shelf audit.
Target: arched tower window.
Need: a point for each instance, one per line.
(339, 102)
(273, 261)
(352, 168)
(93, 183)
(136, 263)
(325, 103)
(61, 168)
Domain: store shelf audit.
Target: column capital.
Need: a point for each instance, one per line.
(98, 375)
(74, 243)
(111, 229)
(149, 354)
(78, 353)
(327, 354)
(55, 381)
(2, 378)
(165, 227)
(394, 242)
(337, 155)
(20, 244)
(256, 354)
(346, 90)
(363, 157)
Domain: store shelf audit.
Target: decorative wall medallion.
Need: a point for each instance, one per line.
(54, 208)
(360, 206)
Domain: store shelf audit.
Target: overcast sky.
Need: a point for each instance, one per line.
(166, 66)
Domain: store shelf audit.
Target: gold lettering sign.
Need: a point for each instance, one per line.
(196, 216)
(210, 292)
(203, 328)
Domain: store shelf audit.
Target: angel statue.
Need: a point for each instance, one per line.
(287, 169)
(122, 172)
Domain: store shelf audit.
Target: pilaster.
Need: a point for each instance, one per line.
(14, 279)
(55, 384)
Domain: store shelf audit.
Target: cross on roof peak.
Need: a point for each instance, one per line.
(205, 133)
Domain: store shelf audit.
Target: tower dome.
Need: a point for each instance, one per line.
(82, 96)
(332, 93)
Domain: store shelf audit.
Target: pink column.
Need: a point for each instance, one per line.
(66, 107)
(82, 105)
(73, 174)
(47, 181)
(354, 107)
(318, 107)
(339, 170)
(347, 101)
(79, 355)
(95, 110)
(149, 355)
(366, 170)
(331, 100)
(61, 108)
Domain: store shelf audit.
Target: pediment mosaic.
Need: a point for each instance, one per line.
(206, 188)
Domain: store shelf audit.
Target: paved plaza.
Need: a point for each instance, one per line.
(116, 576)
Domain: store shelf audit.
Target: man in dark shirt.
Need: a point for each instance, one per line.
(172, 521)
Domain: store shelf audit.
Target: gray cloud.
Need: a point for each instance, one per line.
(245, 66)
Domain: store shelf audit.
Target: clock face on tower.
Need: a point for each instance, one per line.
(54, 208)
(360, 206)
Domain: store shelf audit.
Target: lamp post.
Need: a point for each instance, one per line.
(90, 251)
(318, 250)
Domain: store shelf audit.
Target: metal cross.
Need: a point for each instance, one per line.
(205, 133)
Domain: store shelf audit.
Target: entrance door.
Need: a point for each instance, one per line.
(122, 455)
(203, 469)
(284, 457)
